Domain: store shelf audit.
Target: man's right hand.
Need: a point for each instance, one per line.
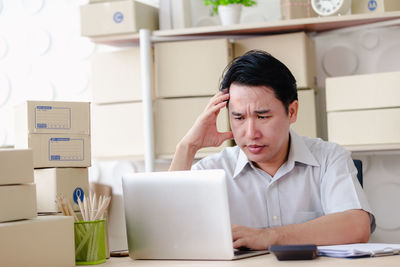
(204, 133)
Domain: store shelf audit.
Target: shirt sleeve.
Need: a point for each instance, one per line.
(340, 188)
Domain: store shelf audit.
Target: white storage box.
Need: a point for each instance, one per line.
(43, 241)
(306, 123)
(365, 127)
(59, 150)
(190, 68)
(116, 76)
(16, 166)
(174, 118)
(70, 182)
(295, 50)
(118, 130)
(367, 91)
(117, 17)
(51, 117)
(376, 6)
(17, 202)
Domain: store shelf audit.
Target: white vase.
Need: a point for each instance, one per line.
(230, 14)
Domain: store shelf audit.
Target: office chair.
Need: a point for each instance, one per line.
(358, 164)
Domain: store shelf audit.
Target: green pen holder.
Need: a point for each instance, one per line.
(90, 245)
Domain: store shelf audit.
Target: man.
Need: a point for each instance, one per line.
(283, 188)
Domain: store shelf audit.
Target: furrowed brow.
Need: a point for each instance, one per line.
(263, 111)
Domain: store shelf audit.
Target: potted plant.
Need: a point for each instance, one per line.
(228, 10)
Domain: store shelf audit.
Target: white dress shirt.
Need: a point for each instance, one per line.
(318, 178)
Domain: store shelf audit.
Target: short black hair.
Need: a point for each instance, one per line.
(259, 68)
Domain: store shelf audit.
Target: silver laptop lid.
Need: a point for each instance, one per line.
(177, 215)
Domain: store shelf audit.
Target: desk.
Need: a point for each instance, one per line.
(262, 261)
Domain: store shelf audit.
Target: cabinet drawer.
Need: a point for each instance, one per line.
(364, 127)
(295, 50)
(174, 118)
(367, 91)
(190, 68)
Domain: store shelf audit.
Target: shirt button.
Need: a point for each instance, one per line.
(275, 218)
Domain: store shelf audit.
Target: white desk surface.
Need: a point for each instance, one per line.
(264, 261)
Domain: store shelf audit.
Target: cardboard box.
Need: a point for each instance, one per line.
(173, 119)
(118, 130)
(70, 182)
(17, 202)
(16, 166)
(51, 117)
(117, 17)
(365, 127)
(376, 6)
(306, 123)
(116, 76)
(295, 9)
(43, 241)
(190, 68)
(58, 150)
(367, 91)
(295, 50)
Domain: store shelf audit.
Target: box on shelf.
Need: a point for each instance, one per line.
(365, 127)
(17, 202)
(295, 9)
(306, 123)
(118, 130)
(43, 241)
(190, 68)
(117, 17)
(116, 76)
(295, 50)
(16, 166)
(58, 150)
(70, 182)
(51, 117)
(376, 6)
(366, 91)
(174, 117)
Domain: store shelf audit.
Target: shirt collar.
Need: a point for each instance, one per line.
(299, 152)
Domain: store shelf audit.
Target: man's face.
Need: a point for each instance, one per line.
(260, 124)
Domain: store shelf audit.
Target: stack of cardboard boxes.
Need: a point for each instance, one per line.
(28, 240)
(59, 135)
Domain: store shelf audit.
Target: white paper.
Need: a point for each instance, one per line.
(359, 250)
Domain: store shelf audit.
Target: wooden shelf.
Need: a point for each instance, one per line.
(316, 24)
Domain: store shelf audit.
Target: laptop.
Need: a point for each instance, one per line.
(179, 215)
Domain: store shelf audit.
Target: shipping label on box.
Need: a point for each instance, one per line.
(17, 202)
(60, 150)
(43, 241)
(295, 50)
(52, 117)
(72, 183)
(16, 166)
